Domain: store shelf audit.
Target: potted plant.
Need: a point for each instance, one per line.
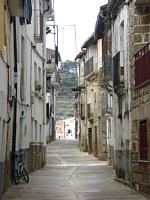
(37, 86)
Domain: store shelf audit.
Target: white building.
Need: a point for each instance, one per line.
(120, 55)
(23, 85)
(52, 85)
(65, 129)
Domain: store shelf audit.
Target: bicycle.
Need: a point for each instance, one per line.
(20, 171)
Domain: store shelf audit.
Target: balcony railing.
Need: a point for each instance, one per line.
(50, 67)
(15, 7)
(142, 66)
(107, 67)
(89, 66)
(55, 80)
(118, 69)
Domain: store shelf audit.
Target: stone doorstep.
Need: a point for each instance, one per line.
(120, 180)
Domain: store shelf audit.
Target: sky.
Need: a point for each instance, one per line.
(76, 21)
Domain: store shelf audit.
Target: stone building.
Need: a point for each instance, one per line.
(92, 122)
(95, 92)
(119, 12)
(139, 55)
(81, 104)
(88, 91)
(106, 133)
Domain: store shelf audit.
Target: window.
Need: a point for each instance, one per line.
(142, 69)
(36, 131)
(39, 76)
(22, 95)
(40, 133)
(143, 140)
(47, 113)
(82, 111)
(120, 107)
(35, 71)
(116, 69)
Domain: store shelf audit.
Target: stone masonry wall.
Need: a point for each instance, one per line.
(139, 22)
(36, 156)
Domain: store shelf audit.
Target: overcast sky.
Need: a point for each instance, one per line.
(82, 14)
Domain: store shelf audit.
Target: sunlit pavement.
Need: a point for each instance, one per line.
(71, 175)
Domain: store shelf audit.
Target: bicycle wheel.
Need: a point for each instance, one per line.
(16, 177)
(25, 175)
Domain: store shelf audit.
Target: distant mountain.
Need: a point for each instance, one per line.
(66, 97)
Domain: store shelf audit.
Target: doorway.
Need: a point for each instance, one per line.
(90, 139)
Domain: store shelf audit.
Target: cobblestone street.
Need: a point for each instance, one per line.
(71, 175)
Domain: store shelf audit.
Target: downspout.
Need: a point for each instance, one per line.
(79, 118)
(129, 100)
(15, 100)
(44, 85)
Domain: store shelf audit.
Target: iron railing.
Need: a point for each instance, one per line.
(89, 66)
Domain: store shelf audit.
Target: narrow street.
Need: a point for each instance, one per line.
(71, 175)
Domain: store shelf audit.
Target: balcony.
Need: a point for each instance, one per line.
(51, 65)
(55, 80)
(142, 67)
(118, 73)
(15, 7)
(50, 68)
(89, 66)
(107, 68)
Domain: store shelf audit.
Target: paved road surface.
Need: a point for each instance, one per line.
(72, 175)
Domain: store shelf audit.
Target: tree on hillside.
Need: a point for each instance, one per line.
(68, 66)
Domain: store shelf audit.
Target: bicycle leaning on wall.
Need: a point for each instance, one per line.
(20, 171)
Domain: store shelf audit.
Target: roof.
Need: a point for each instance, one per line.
(80, 55)
(89, 41)
(113, 7)
(99, 27)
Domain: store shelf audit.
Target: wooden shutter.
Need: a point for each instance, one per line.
(143, 140)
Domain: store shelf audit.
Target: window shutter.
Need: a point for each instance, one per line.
(143, 140)
(148, 138)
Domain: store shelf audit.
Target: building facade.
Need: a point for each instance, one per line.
(139, 56)
(23, 86)
(119, 13)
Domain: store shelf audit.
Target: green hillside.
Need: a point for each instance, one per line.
(65, 96)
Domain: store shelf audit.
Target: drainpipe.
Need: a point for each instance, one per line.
(44, 89)
(15, 100)
(129, 100)
(79, 111)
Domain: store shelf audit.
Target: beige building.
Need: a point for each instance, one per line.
(92, 123)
